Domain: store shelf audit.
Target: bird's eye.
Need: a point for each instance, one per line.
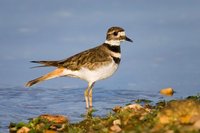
(115, 33)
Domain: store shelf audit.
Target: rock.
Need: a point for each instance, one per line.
(167, 91)
(134, 107)
(58, 119)
(182, 111)
(115, 128)
(55, 122)
(117, 122)
(23, 130)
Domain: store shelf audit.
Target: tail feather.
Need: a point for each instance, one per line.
(46, 63)
(56, 73)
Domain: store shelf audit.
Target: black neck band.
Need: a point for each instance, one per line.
(116, 59)
(113, 48)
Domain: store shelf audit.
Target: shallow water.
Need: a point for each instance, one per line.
(19, 104)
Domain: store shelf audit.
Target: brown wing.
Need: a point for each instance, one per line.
(92, 58)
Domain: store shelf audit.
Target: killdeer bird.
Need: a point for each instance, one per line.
(91, 65)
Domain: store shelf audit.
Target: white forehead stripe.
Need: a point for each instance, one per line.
(122, 33)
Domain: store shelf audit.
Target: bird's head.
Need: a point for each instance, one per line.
(116, 34)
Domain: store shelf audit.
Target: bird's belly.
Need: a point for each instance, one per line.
(98, 74)
(94, 75)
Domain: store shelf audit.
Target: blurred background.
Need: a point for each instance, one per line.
(165, 53)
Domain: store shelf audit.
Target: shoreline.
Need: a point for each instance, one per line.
(175, 115)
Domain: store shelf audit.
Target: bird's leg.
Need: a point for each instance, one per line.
(86, 97)
(90, 97)
(90, 93)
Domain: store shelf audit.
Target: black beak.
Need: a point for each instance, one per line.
(128, 39)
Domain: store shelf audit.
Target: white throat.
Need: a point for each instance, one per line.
(113, 42)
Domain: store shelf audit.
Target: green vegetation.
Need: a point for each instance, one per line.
(173, 116)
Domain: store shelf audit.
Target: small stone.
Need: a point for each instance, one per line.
(115, 128)
(23, 130)
(117, 122)
(167, 91)
(134, 107)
